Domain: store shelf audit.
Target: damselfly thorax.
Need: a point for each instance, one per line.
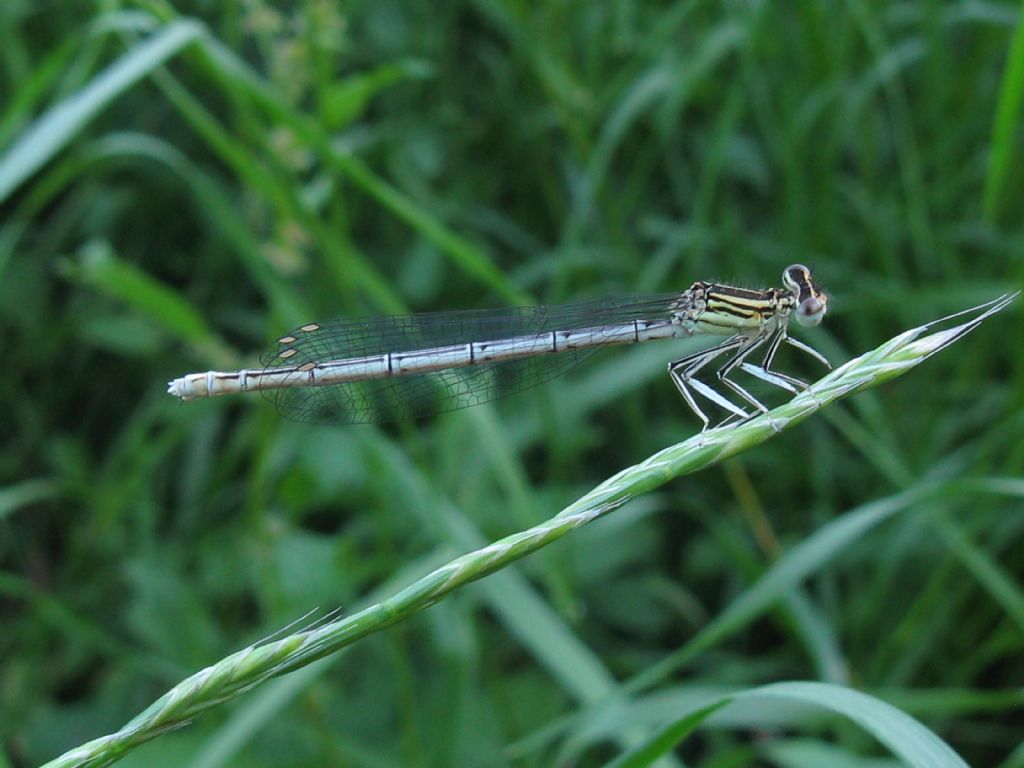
(350, 370)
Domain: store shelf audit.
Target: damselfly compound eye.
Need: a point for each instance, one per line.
(810, 311)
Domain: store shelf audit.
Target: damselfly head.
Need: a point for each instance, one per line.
(811, 301)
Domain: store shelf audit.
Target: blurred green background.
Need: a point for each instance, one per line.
(179, 186)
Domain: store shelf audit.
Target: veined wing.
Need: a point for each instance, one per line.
(393, 397)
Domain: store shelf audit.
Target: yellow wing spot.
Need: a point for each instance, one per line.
(310, 328)
(286, 340)
(286, 354)
(307, 367)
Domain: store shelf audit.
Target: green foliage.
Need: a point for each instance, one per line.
(179, 185)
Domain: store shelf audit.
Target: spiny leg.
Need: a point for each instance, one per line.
(783, 380)
(773, 347)
(682, 371)
(783, 336)
(674, 374)
(765, 372)
(809, 350)
(737, 359)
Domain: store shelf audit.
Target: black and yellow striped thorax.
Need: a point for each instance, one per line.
(724, 309)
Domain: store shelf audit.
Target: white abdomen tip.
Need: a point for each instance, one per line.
(177, 388)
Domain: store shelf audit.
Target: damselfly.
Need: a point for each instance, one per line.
(348, 371)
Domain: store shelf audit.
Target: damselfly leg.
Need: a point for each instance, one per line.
(785, 381)
(738, 358)
(684, 370)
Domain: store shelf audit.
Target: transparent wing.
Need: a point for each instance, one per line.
(390, 399)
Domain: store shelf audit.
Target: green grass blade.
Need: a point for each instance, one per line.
(1004, 155)
(214, 200)
(1001, 585)
(789, 571)
(666, 740)
(52, 132)
(14, 497)
(124, 281)
(462, 253)
(509, 595)
(904, 736)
